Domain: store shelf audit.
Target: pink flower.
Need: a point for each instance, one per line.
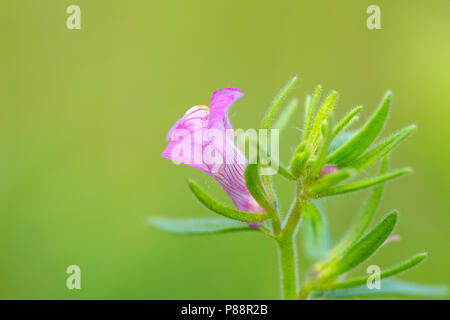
(326, 170)
(204, 139)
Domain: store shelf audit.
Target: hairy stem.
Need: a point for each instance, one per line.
(287, 250)
(288, 266)
(274, 213)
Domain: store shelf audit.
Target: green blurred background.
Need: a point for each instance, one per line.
(84, 115)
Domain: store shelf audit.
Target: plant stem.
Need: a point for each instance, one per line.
(274, 212)
(288, 266)
(276, 224)
(287, 250)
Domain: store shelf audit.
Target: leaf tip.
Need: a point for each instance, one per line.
(386, 102)
(408, 170)
(394, 215)
(412, 127)
(388, 95)
(156, 222)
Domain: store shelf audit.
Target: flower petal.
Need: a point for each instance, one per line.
(221, 102)
(231, 178)
(186, 138)
(203, 138)
(199, 113)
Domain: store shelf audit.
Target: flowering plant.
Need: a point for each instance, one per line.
(327, 157)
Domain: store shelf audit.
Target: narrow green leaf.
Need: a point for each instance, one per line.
(382, 148)
(299, 162)
(309, 116)
(329, 181)
(388, 287)
(308, 100)
(322, 151)
(286, 115)
(340, 140)
(316, 230)
(344, 123)
(352, 187)
(365, 216)
(322, 115)
(255, 187)
(362, 250)
(263, 157)
(301, 147)
(283, 171)
(199, 226)
(276, 102)
(364, 138)
(406, 265)
(222, 209)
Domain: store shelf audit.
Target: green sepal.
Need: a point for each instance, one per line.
(308, 100)
(255, 187)
(319, 161)
(310, 111)
(299, 161)
(224, 210)
(322, 114)
(301, 147)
